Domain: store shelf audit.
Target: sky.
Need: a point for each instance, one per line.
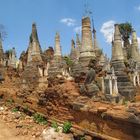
(64, 16)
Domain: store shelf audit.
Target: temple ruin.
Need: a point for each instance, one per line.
(95, 93)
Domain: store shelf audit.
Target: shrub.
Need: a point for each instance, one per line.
(125, 102)
(10, 101)
(55, 126)
(82, 138)
(14, 109)
(66, 127)
(26, 108)
(39, 119)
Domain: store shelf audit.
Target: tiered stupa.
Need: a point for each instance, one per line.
(97, 50)
(1, 51)
(13, 58)
(32, 73)
(73, 54)
(34, 50)
(135, 55)
(78, 46)
(86, 50)
(56, 64)
(125, 86)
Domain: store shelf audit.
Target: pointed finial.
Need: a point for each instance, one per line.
(77, 38)
(112, 39)
(73, 43)
(87, 11)
(0, 37)
(94, 30)
(57, 34)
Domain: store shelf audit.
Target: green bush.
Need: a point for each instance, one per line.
(82, 138)
(66, 127)
(39, 119)
(125, 102)
(68, 61)
(55, 126)
(26, 108)
(15, 110)
(10, 101)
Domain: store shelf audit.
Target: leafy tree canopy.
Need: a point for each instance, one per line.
(68, 61)
(125, 30)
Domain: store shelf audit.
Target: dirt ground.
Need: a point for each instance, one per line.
(7, 133)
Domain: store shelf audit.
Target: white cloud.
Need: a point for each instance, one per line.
(68, 21)
(78, 29)
(138, 8)
(139, 41)
(108, 29)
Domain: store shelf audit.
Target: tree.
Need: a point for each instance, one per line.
(126, 31)
(68, 61)
(3, 33)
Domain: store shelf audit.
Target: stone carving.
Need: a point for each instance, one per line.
(90, 77)
(110, 83)
(89, 87)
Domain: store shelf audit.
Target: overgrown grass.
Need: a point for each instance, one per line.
(125, 102)
(55, 126)
(15, 110)
(39, 119)
(67, 126)
(10, 101)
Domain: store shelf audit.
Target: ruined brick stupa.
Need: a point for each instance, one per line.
(86, 48)
(1, 52)
(32, 72)
(86, 51)
(56, 66)
(34, 50)
(125, 86)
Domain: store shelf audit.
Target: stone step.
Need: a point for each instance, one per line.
(124, 83)
(126, 90)
(123, 80)
(127, 93)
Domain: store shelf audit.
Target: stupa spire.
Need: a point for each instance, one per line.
(134, 47)
(73, 53)
(34, 50)
(87, 43)
(57, 49)
(117, 51)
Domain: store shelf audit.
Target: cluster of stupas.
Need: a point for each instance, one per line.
(35, 66)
